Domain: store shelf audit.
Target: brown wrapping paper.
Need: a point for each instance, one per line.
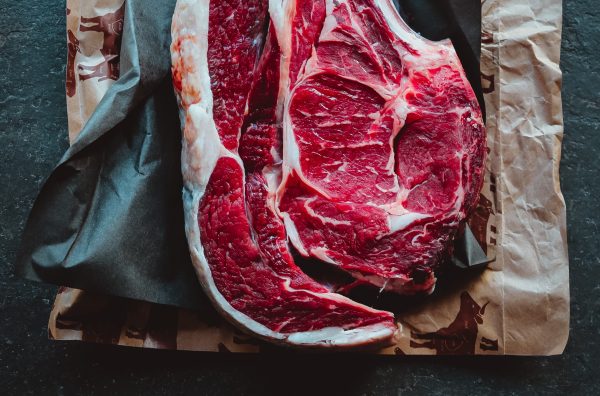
(519, 305)
(93, 35)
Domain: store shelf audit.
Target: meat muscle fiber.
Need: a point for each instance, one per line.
(331, 125)
(384, 149)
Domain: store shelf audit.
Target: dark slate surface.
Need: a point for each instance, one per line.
(32, 139)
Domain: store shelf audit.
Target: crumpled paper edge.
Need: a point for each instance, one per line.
(526, 52)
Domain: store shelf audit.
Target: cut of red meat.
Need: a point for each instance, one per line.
(231, 164)
(260, 281)
(384, 148)
(331, 125)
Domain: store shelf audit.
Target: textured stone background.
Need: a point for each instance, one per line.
(32, 139)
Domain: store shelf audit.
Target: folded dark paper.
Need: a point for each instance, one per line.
(109, 219)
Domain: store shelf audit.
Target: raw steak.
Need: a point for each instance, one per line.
(229, 96)
(384, 148)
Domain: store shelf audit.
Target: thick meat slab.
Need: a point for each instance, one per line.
(384, 148)
(231, 166)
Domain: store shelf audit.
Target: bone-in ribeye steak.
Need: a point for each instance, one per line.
(331, 125)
